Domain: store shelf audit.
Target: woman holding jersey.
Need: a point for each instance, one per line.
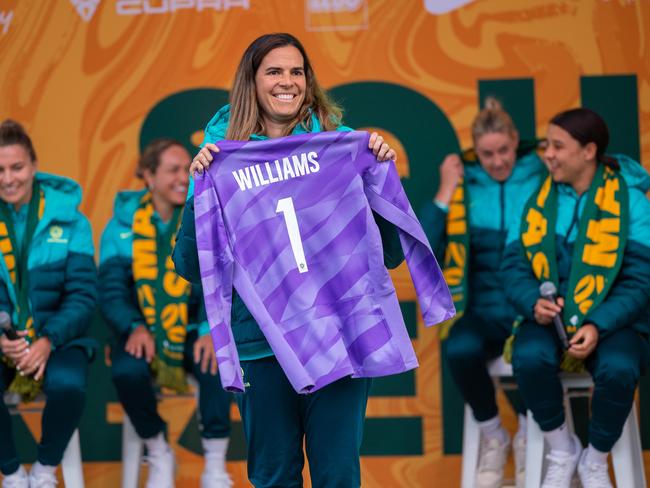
(276, 94)
(586, 229)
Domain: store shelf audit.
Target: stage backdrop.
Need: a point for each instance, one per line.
(94, 80)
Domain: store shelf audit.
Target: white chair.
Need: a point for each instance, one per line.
(71, 464)
(497, 369)
(132, 447)
(627, 454)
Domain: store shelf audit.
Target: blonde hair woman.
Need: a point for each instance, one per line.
(466, 223)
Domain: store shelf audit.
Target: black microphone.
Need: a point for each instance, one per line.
(5, 325)
(547, 290)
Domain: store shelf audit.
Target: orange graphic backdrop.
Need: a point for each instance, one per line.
(83, 75)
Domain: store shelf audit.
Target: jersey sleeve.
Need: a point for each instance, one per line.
(386, 196)
(217, 270)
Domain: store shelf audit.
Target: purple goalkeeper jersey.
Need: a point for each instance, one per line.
(288, 222)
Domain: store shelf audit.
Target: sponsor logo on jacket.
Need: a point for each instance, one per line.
(56, 235)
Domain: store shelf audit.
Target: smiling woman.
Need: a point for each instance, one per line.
(276, 94)
(157, 317)
(17, 168)
(47, 284)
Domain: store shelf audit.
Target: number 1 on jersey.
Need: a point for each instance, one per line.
(285, 205)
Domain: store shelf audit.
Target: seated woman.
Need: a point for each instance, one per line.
(484, 195)
(158, 318)
(48, 286)
(587, 231)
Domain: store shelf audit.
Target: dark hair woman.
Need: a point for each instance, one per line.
(158, 318)
(276, 94)
(586, 229)
(48, 285)
(467, 222)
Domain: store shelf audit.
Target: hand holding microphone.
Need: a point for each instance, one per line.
(12, 342)
(549, 309)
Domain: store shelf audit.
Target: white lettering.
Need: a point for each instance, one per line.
(5, 20)
(277, 167)
(315, 167)
(180, 4)
(254, 174)
(243, 178)
(317, 6)
(272, 179)
(262, 174)
(288, 170)
(128, 7)
(154, 7)
(300, 164)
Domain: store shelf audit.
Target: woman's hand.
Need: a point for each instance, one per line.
(583, 343)
(35, 359)
(381, 149)
(14, 350)
(545, 310)
(141, 343)
(204, 354)
(451, 171)
(203, 158)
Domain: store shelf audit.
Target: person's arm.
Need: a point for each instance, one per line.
(79, 292)
(117, 296)
(433, 215)
(433, 218)
(629, 295)
(185, 254)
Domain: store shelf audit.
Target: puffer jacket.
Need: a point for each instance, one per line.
(492, 207)
(628, 302)
(118, 299)
(61, 265)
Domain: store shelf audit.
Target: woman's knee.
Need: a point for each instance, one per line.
(72, 386)
(128, 370)
(532, 358)
(463, 349)
(617, 374)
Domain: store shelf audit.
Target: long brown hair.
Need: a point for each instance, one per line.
(245, 113)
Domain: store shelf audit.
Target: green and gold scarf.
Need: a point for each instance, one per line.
(15, 259)
(162, 294)
(455, 263)
(598, 249)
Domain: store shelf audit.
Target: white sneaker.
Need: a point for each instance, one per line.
(19, 479)
(213, 478)
(562, 467)
(519, 451)
(491, 462)
(593, 475)
(42, 480)
(162, 469)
